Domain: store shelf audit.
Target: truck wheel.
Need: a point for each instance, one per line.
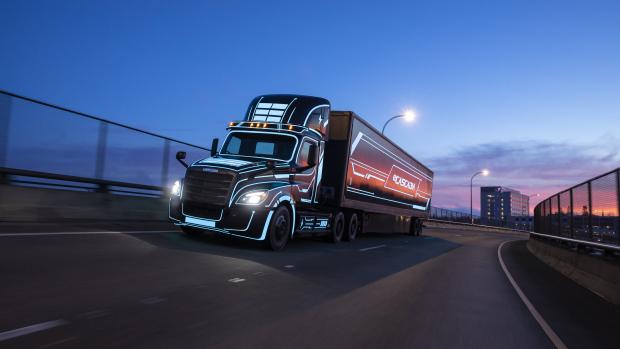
(191, 231)
(337, 228)
(352, 228)
(413, 226)
(279, 228)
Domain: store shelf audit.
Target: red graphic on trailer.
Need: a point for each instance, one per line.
(380, 172)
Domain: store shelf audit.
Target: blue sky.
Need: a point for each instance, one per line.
(527, 89)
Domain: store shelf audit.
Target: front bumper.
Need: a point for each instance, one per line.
(249, 222)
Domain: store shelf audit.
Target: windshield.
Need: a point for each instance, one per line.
(259, 145)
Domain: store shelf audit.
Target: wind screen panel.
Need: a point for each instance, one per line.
(581, 212)
(133, 157)
(565, 214)
(555, 217)
(605, 208)
(45, 139)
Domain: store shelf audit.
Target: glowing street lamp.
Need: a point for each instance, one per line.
(409, 116)
(485, 173)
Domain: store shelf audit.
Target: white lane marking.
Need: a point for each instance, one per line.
(289, 266)
(555, 339)
(31, 329)
(94, 314)
(370, 248)
(236, 280)
(258, 273)
(92, 233)
(151, 300)
(68, 339)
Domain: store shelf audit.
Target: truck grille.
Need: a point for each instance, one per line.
(206, 188)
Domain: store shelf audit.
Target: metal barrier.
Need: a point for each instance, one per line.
(586, 213)
(444, 214)
(447, 215)
(46, 145)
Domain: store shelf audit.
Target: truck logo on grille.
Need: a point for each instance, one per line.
(210, 170)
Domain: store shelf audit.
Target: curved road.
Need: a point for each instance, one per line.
(160, 289)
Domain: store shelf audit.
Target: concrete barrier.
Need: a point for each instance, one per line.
(596, 274)
(434, 223)
(23, 204)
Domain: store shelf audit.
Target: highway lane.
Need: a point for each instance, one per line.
(445, 289)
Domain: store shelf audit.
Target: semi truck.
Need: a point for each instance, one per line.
(294, 167)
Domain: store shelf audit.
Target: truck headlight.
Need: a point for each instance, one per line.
(176, 188)
(253, 198)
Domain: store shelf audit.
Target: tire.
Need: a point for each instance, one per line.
(191, 231)
(418, 227)
(279, 229)
(352, 228)
(337, 230)
(414, 227)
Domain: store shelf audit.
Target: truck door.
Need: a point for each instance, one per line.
(304, 181)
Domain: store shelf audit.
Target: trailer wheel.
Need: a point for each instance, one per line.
(279, 228)
(415, 228)
(418, 227)
(352, 228)
(337, 228)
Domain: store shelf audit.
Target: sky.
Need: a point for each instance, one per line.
(528, 89)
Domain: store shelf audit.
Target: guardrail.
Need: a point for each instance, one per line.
(61, 147)
(447, 215)
(478, 226)
(29, 178)
(586, 213)
(579, 243)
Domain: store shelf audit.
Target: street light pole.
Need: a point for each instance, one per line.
(409, 115)
(471, 192)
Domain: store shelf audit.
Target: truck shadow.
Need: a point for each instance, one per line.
(339, 267)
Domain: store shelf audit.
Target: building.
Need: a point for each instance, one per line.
(501, 206)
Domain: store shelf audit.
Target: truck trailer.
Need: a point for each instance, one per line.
(294, 167)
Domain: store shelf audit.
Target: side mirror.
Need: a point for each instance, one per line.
(181, 155)
(312, 156)
(214, 146)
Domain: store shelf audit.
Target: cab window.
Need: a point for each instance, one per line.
(304, 154)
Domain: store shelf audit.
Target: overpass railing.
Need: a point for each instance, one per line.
(586, 213)
(44, 145)
(443, 214)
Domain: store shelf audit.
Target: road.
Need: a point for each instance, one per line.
(160, 289)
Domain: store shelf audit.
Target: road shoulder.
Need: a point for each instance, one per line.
(579, 317)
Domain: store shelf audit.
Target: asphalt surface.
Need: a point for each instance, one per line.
(164, 289)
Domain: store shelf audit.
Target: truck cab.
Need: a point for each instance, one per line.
(264, 182)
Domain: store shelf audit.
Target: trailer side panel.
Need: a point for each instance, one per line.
(381, 174)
